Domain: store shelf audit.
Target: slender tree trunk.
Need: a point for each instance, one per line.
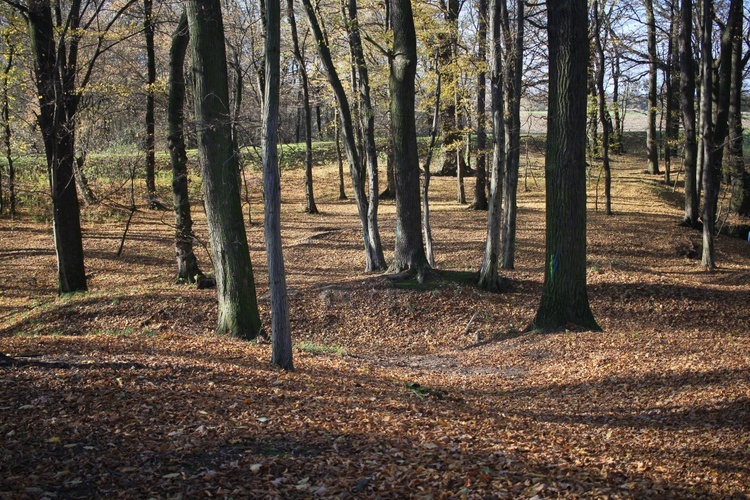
(337, 138)
(310, 207)
(148, 30)
(480, 187)
(605, 123)
(238, 308)
(740, 179)
(56, 121)
(651, 143)
(187, 264)
(616, 139)
(564, 297)
(711, 172)
(448, 49)
(512, 130)
(374, 258)
(489, 277)
(672, 80)
(8, 134)
(409, 252)
(687, 105)
(427, 174)
(281, 353)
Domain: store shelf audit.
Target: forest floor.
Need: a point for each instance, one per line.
(399, 390)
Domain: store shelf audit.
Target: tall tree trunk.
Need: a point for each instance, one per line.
(148, 30)
(603, 114)
(57, 106)
(374, 258)
(480, 187)
(672, 81)
(616, 139)
(8, 134)
(740, 178)
(564, 297)
(310, 206)
(651, 143)
(281, 351)
(367, 123)
(687, 105)
(238, 307)
(337, 139)
(512, 130)
(448, 115)
(409, 252)
(489, 277)
(187, 264)
(427, 174)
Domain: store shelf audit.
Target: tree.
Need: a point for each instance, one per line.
(374, 258)
(564, 298)
(448, 51)
(281, 353)
(409, 252)
(187, 264)
(238, 307)
(604, 120)
(480, 187)
(687, 106)
(148, 31)
(310, 207)
(489, 278)
(56, 69)
(651, 142)
(739, 177)
(7, 77)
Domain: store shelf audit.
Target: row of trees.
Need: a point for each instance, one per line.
(72, 45)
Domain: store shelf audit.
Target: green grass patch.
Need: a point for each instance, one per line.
(439, 279)
(320, 349)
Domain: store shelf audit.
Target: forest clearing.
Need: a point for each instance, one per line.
(400, 389)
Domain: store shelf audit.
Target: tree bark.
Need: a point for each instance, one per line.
(8, 134)
(512, 130)
(310, 206)
(740, 179)
(651, 142)
(448, 49)
(148, 30)
(374, 258)
(602, 99)
(281, 337)
(187, 263)
(711, 172)
(337, 139)
(564, 298)
(55, 84)
(489, 277)
(409, 252)
(687, 105)
(480, 187)
(238, 308)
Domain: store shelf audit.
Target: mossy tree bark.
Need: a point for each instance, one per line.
(187, 264)
(564, 298)
(281, 338)
(238, 308)
(409, 252)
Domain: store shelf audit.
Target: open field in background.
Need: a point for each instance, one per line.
(399, 390)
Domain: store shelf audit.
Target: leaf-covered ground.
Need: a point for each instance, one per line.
(399, 390)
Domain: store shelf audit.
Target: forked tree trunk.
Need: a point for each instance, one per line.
(409, 252)
(374, 258)
(281, 338)
(564, 298)
(235, 284)
(687, 105)
(187, 264)
(489, 277)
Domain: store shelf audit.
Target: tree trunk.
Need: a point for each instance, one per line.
(56, 121)
(337, 139)
(238, 308)
(564, 298)
(672, 81)
(448, 50)
(8, 134)
(187, 264)
(374, 258)
(605, 123)
(512, 130)
(310, 206)
(489, 277)
(480, 187)
(687, 105)
(148, 30)
(740, 179)
(281, 351)
(651, 142)
(616, 139)
(409, 252)
(427, 174)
